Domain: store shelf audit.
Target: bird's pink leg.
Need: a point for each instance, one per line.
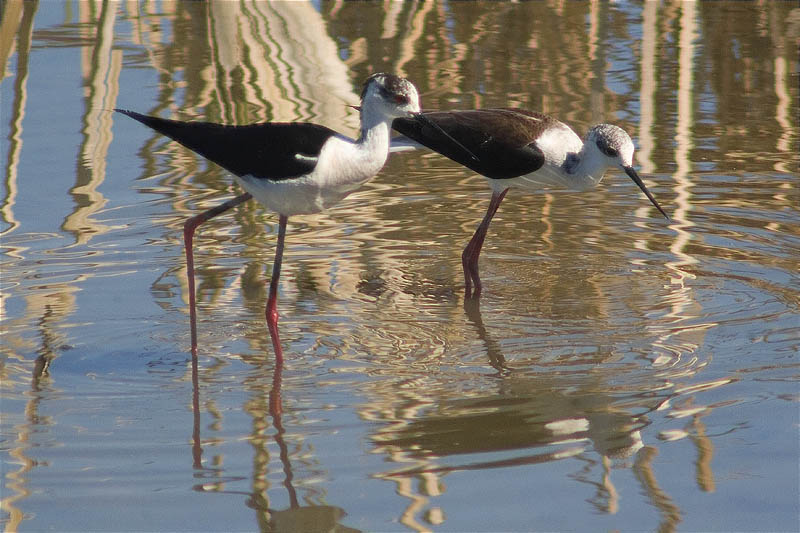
(188, 235)
(272, 300)
(469, 258)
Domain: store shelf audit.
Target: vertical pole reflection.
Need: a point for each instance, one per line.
(418, 500)
(783, 105)
(643, 468)
(16, 22)
(612, 505)
(101, 72)
(597, 56)
(683, 305)
(20, 14)
(412, 37)
(685, 125)
(705, 452)
(683, 147)
(648, 86)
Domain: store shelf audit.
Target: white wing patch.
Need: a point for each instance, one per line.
(306, 158)
(401, 143)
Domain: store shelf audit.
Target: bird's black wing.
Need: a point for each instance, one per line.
(501, 139)
(268, 151)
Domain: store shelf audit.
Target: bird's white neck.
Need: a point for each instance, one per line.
(375, 127)
(588, 167)
(348, 163)
(365, 156)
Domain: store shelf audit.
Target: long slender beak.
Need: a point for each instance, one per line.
(638, 181)
(420, 117)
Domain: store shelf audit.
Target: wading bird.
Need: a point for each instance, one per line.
(292, 168)
(519, 148)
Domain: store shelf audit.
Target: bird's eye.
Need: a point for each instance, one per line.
(602, 144)
(401, 99)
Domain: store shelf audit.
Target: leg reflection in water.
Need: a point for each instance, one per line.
(296, 517)
(472, 308)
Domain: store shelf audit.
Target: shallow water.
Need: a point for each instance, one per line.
(620, 372)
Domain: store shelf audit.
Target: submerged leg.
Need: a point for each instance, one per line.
(188, 235)
(469, 257)
(272, 300)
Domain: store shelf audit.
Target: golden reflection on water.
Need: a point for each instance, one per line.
(569, 356)
(16, 20)
(100, 66)
(681, 298)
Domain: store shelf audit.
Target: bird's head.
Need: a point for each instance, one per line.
(392, 95)
(396, 97)
(617, 147)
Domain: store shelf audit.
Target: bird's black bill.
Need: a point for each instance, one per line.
(420, 117)
(638, 181)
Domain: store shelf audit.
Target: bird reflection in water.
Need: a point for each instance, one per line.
(529, 417)
(296, 517)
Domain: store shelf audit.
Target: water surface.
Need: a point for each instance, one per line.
(620, 371)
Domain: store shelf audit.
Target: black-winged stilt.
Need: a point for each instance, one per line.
(515, 147)
(292, 168)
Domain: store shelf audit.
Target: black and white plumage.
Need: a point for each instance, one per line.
(292, 168)
(519, 148)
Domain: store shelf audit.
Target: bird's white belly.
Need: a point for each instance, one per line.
(341, 169)
(298, 196)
